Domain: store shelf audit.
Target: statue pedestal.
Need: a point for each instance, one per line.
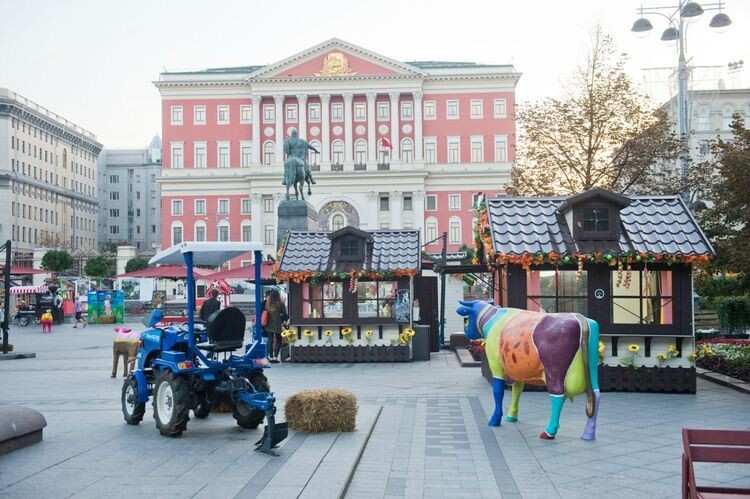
(295, 214)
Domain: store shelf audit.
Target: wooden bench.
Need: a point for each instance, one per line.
(713, 446)
(706, 319)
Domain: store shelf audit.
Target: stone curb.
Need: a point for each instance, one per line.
(724, 380)
(465, 358)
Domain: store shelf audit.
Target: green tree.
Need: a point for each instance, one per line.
(137, 263)
(57, 261)
(603, 132)
(99, 267)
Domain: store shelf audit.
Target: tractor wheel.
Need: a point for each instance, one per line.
(171, 403)
(37, 320)
(23, 321)
(202, 408)
(132, 410)
(245, 416)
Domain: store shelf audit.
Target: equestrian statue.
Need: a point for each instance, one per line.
(296, 168)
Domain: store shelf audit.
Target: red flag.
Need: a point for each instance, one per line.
(386, 143)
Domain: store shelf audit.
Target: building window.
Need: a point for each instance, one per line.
(247, 232)
(222, 114)
(199, 115)
(337, 111)
(200, 206)
(223, 231)
(430, 229)
(337, 152)
(246, 114)
(477, 149)
(454, 230)
(269, 152)
(223, 206)
(267, 204)
(113, 229)
(246, 153)
(595, 219)
(648, 299)
(430, 202)
(452, 109)
(177, 155)
(291, 113)
(454, 202)
(269, 237)
(313, 113)
(177, 115)
(501, 149)
(383, 111)
(113, 213)
(314, 157)
(384, 202)
(376, 299)
(324, 300)
(176, 234)
(726, 116)
(199, 150)
(407, 151)
(430, 110)
(360, 111)
(269, 113)
(246, 206)
(177, 207)
(556, 291)
(360, 152)
(114, 179)
(430, 150)
(407, 110)
(222, 151)
(477, 111)
(407, 202)
(200, 231)
(501, 108)
(337, 222)
(454, 150)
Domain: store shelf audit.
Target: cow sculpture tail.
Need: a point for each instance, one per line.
(585, 334)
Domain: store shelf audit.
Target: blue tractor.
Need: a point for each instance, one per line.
(196, 366)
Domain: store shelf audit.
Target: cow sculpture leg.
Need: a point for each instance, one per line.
(498, 390)
(589, 432)
(554, 418)
(513, 411)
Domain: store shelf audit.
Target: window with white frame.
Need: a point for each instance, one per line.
(454, 230)
(246, 114)
(360, 111)
(222, 115)
(313, 112)
(501, 148)
(247, 231)
(385, 204)
(454, 150)
(223, 206)
(726, 116)
(337, 152)
(199, 115)
(177, 115)
(291, 113)
(407, 110)
(199, 231)
(451, 109)
(704, 118)
(430, 150)
(430, 229)
(177, 207)
(314, 157)
(454, 202)
(407, 151)
(477, 149)
(199, 154)
(360, 152)
(222, 154)
(246, 153)
(267, 204)
(269, 236)
(430, 202)
(407, 203)
(222, 231)
(269, 151)
(176, 233)
(200, 206)
(384, 111)
(501, 110)
(178, 155)
(337, 111)
(269, 113)
(429, 110)
(477, 111)
(246, 206)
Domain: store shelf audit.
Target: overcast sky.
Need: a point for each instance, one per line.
(93, 61)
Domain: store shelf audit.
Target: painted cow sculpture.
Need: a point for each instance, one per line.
(560, 351)
(126, 345)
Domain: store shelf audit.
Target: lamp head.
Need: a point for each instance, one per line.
(691, 10)
(720, 22)
(670, 34)
(641, 26)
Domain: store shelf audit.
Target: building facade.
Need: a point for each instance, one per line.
(130, 196)
(401, 145)
(48, 179)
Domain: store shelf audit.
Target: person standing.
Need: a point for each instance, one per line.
(46, 319)
(78, 309)
(276, 312)
(210, 305)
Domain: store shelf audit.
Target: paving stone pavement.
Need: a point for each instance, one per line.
(429, 436)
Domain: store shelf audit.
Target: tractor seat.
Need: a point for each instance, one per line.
(226, 330)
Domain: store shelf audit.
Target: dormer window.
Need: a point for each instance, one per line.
(349, 248)
(596, 220)
(594, 215)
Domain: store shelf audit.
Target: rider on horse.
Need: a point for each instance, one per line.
(296, 149)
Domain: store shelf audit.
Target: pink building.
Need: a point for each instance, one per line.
(402, 145)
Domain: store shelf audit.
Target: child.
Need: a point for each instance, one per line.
(47, 321)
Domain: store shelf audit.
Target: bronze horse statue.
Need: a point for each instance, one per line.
(296, 169)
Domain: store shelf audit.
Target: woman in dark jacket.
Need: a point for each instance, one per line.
(276, 310)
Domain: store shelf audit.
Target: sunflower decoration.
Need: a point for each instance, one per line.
(630, 361)
(661, 358)
(309, 335)
(290, 335)
(601, 351)
(634, 348)
(329, 336)
(403, 338)
(347, 334)
(409, 332)
(368, 336)
(672, 351)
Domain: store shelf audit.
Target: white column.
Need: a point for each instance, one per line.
(302, 115)
(348, 132)
(325, 116)
(373, 210)
(372, 146)
(418, 145)
(279, 100)
(417, 203)
(394, 125)
(256, 222)
(257, 146)
(395, 208)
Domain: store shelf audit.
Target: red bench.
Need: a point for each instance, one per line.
(713, 446)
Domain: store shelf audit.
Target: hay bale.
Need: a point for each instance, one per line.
(321, 410)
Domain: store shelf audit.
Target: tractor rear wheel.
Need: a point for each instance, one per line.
(171, 403)
(247, 417)
(132, 410)
(23, 321)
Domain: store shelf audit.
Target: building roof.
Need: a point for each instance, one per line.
(391, 250)
(452, 64)
(660, 225)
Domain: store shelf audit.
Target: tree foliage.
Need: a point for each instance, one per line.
(137, 263)
(99, 266)
(603, 132)
(57, 261)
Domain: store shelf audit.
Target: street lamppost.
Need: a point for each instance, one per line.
(679, 16)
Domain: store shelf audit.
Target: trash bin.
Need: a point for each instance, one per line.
(420, 344)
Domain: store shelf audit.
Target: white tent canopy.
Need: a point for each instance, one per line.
(205, 253)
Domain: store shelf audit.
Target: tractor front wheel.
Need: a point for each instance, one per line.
(171, 403)
(247, 417)
(132, 410)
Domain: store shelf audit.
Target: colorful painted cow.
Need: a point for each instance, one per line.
(126, 345)
(560, 351)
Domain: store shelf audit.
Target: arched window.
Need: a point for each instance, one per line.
(314, 158)
(407, 151)
(454, 230)
(338, 222)
(269, 152)
(726, 116)
(431, 229)
(337, 152)
(247, 231)
(360, 152)
(199, 231)
(176, 233)
(222, 231)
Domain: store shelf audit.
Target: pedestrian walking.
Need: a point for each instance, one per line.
(78, 309)
(275, 312)
(46, 319)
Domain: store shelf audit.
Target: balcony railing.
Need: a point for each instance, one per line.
(337, 167)
(360, 167)
(384, 166)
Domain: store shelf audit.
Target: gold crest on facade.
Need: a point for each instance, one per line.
(336, 64)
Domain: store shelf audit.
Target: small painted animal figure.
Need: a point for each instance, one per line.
(126, 345)
(560, 351)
